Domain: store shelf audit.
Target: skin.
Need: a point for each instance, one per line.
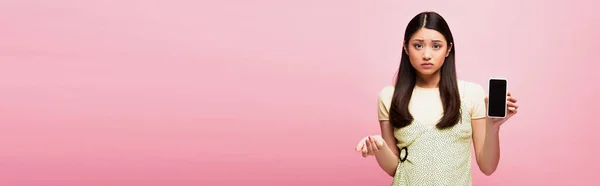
(430, 46)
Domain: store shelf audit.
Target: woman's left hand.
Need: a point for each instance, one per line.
(511, 110)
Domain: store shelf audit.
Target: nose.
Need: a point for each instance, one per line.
(426, 55)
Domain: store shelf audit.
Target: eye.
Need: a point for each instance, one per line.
(418, 46)
(437, 46)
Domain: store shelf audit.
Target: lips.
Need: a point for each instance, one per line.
(427, 65)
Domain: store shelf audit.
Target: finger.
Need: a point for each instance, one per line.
(360, 145)
(368, 146)
(512, 99)
(511, 104)
(374, 145)
(363, 146)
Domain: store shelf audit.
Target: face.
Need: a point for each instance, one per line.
(427, 50)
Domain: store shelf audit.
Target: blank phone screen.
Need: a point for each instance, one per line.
(497, 98)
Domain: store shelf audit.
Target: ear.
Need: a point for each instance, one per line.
(449, 49)
(404, 47)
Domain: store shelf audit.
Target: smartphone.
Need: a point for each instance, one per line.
(497, 98)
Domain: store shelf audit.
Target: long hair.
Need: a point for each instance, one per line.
(406, 78)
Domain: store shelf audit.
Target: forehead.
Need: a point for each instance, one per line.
(428, 35)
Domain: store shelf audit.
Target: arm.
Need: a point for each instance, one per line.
(387, 157)
(486, 141)
(486, 137)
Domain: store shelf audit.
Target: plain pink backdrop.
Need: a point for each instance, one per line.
(268, 92)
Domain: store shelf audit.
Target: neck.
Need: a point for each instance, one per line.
(428, 81)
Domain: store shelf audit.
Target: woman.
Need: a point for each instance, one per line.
(429, 118)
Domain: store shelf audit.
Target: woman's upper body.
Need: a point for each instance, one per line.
(429, 155)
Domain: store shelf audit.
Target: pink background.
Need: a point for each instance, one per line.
(268, 92)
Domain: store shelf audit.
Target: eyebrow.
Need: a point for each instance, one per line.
(420, 40)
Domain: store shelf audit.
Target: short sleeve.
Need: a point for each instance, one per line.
(477, 100)
(383, 103)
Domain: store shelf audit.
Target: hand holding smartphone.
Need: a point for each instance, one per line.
(497, 103)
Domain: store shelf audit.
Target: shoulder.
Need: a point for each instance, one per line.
(386, 94)
(474, 97)
(472, 93)
(384, 102)
(470, 87)
(387, 91)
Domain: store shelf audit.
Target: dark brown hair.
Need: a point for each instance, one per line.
(406, 79)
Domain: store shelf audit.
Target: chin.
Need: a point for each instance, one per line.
(427, 72)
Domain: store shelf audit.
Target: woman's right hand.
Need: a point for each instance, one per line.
(370, 145)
